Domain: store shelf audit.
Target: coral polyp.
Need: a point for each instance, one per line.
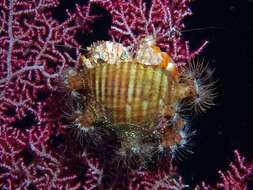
(136, 96)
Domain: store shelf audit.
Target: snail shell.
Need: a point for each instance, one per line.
(133, 92)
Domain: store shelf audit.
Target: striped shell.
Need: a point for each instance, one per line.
(133, 92)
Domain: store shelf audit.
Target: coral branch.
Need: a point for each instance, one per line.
(238, 176)
(235, 176)
(156, 180)
(28, 160)
(30, 55)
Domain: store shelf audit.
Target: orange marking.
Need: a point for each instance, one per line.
(166, 62)
(156, 48)
(165, 59)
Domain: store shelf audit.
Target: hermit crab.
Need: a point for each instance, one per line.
(140, 96)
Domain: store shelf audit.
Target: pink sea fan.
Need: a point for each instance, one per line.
(30, 57)
(159, 180)
(238, 176)
(32, 60)
(28, 161)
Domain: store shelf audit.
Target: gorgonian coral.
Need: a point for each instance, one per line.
(36, 152)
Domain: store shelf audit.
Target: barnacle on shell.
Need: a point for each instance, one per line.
(136, 95)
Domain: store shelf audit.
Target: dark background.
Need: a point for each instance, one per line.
(228, 125)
